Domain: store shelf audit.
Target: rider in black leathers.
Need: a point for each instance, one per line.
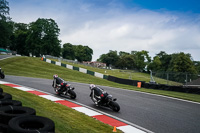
(98, 94)
(57, 81)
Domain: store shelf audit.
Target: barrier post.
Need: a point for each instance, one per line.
(139, 84)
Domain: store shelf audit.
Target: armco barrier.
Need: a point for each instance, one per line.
(125, 81)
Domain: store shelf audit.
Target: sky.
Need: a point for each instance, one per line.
(172, 26)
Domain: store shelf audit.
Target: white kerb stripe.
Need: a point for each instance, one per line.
(58, 63)
(96, 74)
(130, 129)
(47, 60)
(49, 97)
(23, 88)
(70, 66)
(87, 111)
(3, 82)
(82, 70)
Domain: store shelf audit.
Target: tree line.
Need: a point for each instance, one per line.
(37, 38)
(141, 61)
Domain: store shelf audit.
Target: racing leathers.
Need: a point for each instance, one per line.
(98, 95)
(59, 83)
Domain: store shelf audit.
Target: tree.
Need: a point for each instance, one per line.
(165, 60)
(142, 59)
(68, 51)
(5, 25)
(110, 58)
(83, 53)
(43, 37)
(126, 61)
(20, 33)
(182, 65)
(155, 65)
(197, 66)
(4, 10)
(182, 62)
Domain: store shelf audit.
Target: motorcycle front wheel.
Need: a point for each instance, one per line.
(114, 106)
(2, 76)
(72, 94)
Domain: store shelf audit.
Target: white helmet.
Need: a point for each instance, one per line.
(92, 86)
(55, 76)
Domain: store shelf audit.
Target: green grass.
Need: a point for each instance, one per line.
(66, 119)
(34, 67)
(125, 74)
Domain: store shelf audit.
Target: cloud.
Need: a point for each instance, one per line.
(110, 26)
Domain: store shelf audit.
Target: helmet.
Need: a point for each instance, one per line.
(92, 86)
(55, 76)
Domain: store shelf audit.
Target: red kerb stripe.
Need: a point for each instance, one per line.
(37, 93)
(68, 104)
(12, 85)
(109, 120)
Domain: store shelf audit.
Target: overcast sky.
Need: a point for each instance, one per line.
(172, 26)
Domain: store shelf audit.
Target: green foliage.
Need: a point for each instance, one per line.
(142, 59)
(68, 51)
(43, 38)
(4, 10)
(83, 53)
(5, 24)
(19, 37)
(110, 58)
(197, 66)
(126, 61)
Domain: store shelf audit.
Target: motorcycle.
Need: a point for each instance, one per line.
(2, 75)
(68, 90)
(108, 101)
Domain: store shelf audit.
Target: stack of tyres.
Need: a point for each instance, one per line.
(5, 96)
(15, 118)
(1, 90)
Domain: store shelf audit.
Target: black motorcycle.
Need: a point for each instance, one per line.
(107, 101)
(68, 90)
(2, 75)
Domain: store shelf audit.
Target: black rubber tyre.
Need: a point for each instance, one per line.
(3, 128)
(10, 102)
(72, 94)
(1, 90)
(2, 76)
(5, 96)
(115, 106)
(9, 112)
(31, 124)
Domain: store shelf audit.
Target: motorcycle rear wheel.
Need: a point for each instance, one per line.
(115, 106)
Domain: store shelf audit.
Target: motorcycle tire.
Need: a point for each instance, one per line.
(31, 124)
(2, 76)
(3, 128)
(5, 96)
(10, 102)
(9, 112)
(1, 90)
(115, 106)
(72, 94)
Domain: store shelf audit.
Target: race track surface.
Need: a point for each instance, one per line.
(156, 113)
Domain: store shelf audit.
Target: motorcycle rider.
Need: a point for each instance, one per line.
(97, 94)
(57, 81)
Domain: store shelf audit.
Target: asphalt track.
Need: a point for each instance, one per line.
(156, 113)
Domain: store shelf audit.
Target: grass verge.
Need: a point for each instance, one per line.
(66, 119)
(34, 67)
